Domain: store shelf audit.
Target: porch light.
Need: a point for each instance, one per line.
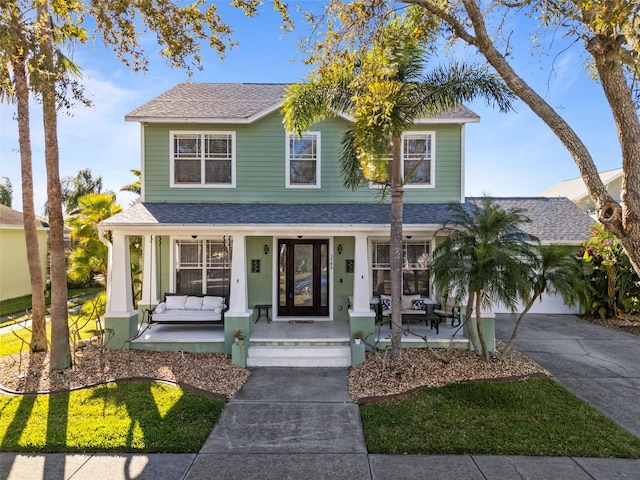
(266, 249)
(340, 249)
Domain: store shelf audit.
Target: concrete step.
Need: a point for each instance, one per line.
(299, 356)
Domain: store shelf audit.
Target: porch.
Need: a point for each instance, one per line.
(292, 343)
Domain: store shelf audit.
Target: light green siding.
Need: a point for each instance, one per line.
(14, 267)
(260, 166)
(260, 283)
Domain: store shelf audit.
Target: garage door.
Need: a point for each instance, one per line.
(545, 304)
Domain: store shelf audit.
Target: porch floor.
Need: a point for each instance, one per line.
(157, 333)
(284, 331)
(416, 329)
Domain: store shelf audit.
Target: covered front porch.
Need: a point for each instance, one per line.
(317, 277)
(294, 343)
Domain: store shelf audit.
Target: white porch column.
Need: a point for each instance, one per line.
(120, 299)
(238, 301)
(149, 272)
(361, 281)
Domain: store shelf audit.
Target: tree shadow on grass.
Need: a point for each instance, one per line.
(183, 428)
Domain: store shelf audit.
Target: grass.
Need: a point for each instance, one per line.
(20, 305)
(121, 417)
(11, 342)
(533, 417)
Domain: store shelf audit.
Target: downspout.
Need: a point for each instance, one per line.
(104, 240)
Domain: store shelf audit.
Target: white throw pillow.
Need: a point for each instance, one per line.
(407, 301)
(210, 303)
(217, 310)
(176, 302)
(161, 307)
(193, 303)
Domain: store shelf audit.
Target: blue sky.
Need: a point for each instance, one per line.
(511, 154)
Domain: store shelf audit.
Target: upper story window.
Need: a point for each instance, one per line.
(303, 160)
(417, 149)
(417, 152)
(204, 159)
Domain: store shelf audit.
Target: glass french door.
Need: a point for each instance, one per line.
(303, 283)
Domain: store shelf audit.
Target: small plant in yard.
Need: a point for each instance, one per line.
(238, 335)
(358, 336)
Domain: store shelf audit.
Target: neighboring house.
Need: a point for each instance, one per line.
(233, 205)
(576, 191)
(14, 268)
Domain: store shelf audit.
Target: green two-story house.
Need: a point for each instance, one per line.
(234, 206)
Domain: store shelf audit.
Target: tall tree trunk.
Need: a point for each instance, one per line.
(483, 342)
(395, 250)
(60, 350)
(38, 305)
(611, 74)
(470, 320)
(621, 220)
(516, 327)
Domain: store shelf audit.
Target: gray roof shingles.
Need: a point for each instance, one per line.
(230, 101)
(555, 220)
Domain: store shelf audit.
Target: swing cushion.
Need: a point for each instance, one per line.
(189, 309)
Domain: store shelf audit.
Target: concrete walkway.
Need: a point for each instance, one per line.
(290, 423)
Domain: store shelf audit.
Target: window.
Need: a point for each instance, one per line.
(417, 151)
(303, 160)
(415, 270)
(202, 267)
(203, 158)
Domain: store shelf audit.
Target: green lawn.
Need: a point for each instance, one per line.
(533, 417)
(11, 342)
(18, 306)
(122, 417)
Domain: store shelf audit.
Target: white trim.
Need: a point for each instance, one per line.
(438, 121)
(222, 120)
(432, 173)
(463, 153)
(318, 161)
(143, 158)
(172, 184)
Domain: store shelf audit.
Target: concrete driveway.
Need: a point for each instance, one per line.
(598, 364)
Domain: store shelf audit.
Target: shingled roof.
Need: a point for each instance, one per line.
(12, 218)
(219, 214)
(234, 103)
(553, 220)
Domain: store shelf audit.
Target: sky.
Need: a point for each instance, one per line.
(506, 154)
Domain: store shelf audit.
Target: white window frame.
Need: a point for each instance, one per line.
(432, 173)
(203, 265)
(376, 265)
(202, 133)
(317, 159)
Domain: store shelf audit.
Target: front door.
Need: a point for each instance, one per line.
(303, 281)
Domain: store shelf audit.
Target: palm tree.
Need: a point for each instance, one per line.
(385, 90)
(6, 192)
(89, 257)
(556, 270)
(136, 186)
(73, 188)
(485, 258)
(17, 42)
